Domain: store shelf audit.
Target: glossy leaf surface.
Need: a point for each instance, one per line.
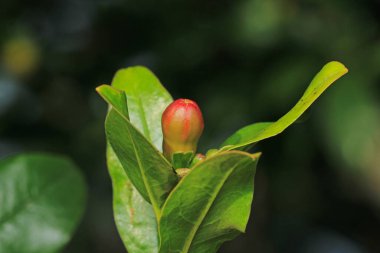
(42, 198)
(210, 205)
(134, 217)
(259, 131)
(147, 99)
(149, 171)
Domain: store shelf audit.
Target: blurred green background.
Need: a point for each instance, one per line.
(317, 185)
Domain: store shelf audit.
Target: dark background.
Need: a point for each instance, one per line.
(317, 185)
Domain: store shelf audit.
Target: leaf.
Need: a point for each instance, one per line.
(116, 98)
(149, 171)
(42, 198)
(248, 135)
(210, 205)
(134, 217)
(147, 99)
(182, 160)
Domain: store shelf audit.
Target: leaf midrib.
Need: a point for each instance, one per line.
(32, 199)
(115, 202)
(154, 204)
(199, 222)
(144, 121)
(141, 111)
(130, 125)
(204, 214)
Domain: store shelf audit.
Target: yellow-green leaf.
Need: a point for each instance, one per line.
(250, 134)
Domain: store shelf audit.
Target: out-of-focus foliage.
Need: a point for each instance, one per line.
(20, 56)
(42, 199)
(242, 61)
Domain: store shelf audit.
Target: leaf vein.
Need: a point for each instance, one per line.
(30, 200)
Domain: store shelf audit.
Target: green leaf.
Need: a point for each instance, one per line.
(210, 205)
(182, 160)
(116, 98)
(149, 171)
(42, 198)
(147, 99)
(134, 217)
(248, 135)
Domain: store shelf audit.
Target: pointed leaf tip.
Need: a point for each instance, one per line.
(256, 132)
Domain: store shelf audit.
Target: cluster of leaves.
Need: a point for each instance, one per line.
(154, 210)
(42, 198)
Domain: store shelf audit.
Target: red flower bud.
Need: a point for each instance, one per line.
(182, 125)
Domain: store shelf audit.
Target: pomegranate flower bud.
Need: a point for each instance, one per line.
(182, 125)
